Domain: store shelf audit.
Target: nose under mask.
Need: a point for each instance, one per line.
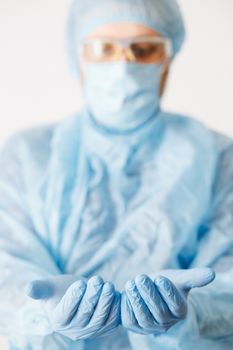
(122, 95)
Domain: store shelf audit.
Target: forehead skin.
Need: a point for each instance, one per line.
(122, 31)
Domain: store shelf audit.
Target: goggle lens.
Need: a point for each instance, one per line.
(109, 50)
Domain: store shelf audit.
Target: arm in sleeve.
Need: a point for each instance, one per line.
(24, 256)
(209, 322)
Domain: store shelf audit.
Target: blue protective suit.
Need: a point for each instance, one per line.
(78, 200)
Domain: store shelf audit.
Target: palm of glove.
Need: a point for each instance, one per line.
(149, 307)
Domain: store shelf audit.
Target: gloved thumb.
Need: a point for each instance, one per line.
(40, 290)
(52, 287)
(190, 278)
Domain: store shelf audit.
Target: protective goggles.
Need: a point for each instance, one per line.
(144, 49)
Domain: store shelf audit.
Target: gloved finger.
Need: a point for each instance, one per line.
(96, 327)
(153, 300)
(114, 317)
(64, 312)
(104, 305)
(89, 301)
(51, 288)
(197, 278)
(190, 278)
(128, 318)
(142, 314)
(172, 296)
(40, 289)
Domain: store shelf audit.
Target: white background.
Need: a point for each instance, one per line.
(36, 88)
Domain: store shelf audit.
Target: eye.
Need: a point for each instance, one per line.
(107, 49)
(147, 50)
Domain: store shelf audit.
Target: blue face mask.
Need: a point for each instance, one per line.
(122, 95)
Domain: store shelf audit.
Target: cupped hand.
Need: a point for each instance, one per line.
(152, 307)
(78, 309)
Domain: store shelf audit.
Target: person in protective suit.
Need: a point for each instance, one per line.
(116, 223)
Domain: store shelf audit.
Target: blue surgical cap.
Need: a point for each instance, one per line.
(163, 16)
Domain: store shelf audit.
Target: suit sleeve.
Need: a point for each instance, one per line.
(209, 323)
(24, 256)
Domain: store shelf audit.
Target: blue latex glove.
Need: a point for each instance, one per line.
(149, 307)
(78, 309)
